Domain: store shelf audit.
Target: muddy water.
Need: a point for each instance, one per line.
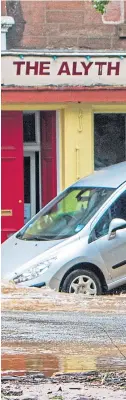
(45, 299)
(18, 359)
(22, 352)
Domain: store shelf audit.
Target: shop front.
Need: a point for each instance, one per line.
(62, 117)
(29, 179)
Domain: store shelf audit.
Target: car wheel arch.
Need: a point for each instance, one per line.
(88, 266)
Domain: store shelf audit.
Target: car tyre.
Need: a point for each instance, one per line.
(83, 281)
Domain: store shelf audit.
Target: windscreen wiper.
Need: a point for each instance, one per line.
(19, 235)
(38, 238)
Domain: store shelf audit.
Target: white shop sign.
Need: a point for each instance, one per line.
(58, 71)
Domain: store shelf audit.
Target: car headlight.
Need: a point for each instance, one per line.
(34, 271)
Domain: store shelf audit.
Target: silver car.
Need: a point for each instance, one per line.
(77, 243)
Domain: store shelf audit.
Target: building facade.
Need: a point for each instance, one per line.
(63, 99)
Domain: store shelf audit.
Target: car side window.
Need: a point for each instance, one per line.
(117, 210)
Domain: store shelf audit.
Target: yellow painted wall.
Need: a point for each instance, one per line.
(77, 144)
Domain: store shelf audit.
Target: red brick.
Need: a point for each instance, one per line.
(37, 42)
(85, 43)
(3, 8)
(113, 11)
(65, 5)
(42, 29)
(92, 31)
(58, 42)
(71, 28)
(91, 15)
(32, 4)
(119, 44)
(63, 16)
(33, 12)
(61, 24)
(124, 10)
(122, 44)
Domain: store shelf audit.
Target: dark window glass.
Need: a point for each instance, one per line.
(29, 127)
(109, 139)
(117, 210)
(37, 180)
(27, 179)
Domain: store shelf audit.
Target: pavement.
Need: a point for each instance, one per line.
(63, 327)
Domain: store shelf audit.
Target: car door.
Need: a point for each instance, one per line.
(113, 252)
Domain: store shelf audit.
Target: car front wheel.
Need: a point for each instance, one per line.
(82, 281)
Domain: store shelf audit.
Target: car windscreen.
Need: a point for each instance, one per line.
(70, 213)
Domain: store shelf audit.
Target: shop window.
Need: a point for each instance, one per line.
(29, 127)
(31, 185)
(109, 139)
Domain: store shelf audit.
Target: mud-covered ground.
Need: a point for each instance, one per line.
(91, 386)
(45, 299)
(45, 333)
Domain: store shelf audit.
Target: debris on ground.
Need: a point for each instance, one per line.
(45, 299)
(83, 386)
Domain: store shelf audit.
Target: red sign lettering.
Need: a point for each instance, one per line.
(74, 70)
(69, 68)
(86, 67)
(64, 69)
(100, 65)
(19, 64)
(44, 68)
(30, 67)
(115, 68)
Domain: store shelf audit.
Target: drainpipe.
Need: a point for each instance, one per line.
(6, 23)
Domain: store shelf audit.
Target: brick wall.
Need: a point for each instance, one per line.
(114, 12)
(3, 8)
(64, 24)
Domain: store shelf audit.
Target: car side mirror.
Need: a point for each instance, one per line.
(115, 225)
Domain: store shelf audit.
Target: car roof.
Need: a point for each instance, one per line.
(110, 177)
